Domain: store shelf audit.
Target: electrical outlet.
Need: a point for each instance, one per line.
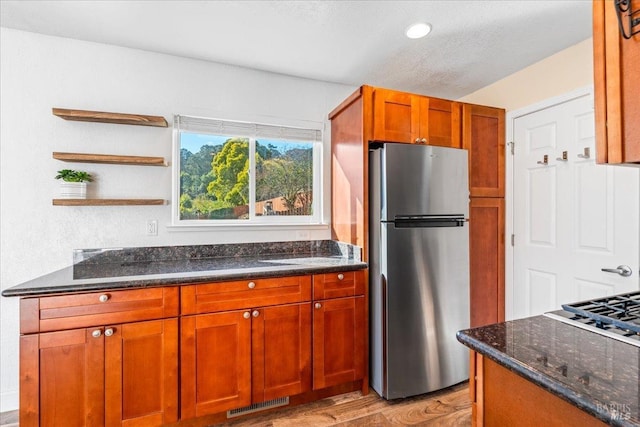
(152, 227)
(302, 235)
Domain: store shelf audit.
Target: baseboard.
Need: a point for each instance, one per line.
(9, 401)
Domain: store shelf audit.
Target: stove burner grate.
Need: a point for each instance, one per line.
(621, 311)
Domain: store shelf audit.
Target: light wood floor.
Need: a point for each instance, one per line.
(447, 408)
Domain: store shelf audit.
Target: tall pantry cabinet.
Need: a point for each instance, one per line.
(376, 114)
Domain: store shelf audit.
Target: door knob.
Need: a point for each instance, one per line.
(623, 270)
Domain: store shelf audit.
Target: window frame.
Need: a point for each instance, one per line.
(261, 221)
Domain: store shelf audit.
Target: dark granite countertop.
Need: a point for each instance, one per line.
(123, 268)
(597, 374)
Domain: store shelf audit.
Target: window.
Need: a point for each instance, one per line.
(238, 173)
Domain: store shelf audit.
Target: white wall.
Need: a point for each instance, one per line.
(563, 72)
(40, 72)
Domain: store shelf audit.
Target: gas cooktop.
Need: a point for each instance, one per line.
(616, 316)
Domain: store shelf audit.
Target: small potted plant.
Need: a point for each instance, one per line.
(74, 183)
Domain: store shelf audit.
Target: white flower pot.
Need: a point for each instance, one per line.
(73, 190)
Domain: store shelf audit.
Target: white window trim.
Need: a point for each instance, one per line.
(256, 222)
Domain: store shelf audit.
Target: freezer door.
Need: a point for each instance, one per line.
(422, 179)
(426, 284)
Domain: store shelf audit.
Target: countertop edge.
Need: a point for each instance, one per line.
(540, 379)
(142, 282)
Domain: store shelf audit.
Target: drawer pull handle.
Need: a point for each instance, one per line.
(340, 276)
(318, 306)
(255, 313)
(104, 298)
(96, 333)
(246, 315)
(251, 285)
(108, 332)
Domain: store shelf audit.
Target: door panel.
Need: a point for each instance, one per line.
(483, 136)
(141, 362)
(444, 122)
(338, 341)
(215, 363)
(396, 116)
(486, 263)
(281, 351)
(72, 378)
(571, 216)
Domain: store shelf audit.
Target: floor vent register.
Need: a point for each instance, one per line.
(256, 407)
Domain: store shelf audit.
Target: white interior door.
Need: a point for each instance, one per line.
(571, 217)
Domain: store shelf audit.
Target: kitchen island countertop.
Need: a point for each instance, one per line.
(597, 374)
(126, 268)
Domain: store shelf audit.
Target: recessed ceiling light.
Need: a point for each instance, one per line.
(418, 30)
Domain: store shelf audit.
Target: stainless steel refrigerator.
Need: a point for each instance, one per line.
(419, 267)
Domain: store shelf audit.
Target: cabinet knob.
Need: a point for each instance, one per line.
(423, 140)
(251, 285)
(103, 298)
(318, 305)
(417, 141)
(108, 332)
(255, 313)
(96, 333)
(340, 276)
(246, 315)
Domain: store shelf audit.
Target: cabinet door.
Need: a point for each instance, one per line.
(616, 85)
(483, 135)
(338, 341)
(141, 373)
(486, 246)
(396, 116)
(281, 351)
(215, 356)
(62, 379)
(440, 122)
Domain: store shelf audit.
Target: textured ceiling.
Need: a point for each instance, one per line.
(473, 43)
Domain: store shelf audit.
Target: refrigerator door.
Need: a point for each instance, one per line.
(425, 302)
(422, 179)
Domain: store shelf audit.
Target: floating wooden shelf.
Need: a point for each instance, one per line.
(104, 117)
(110, 158)
(107, 202)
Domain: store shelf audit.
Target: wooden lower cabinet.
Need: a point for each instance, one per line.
(116, 375)
(232, 359)
(338, 341)
(260, 340)
(500, 397)
(486, 261)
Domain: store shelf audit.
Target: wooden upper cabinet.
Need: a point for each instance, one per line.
(409, 118)
(483, 136)
(617, 87)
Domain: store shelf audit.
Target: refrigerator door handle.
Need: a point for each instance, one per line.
(413, 221)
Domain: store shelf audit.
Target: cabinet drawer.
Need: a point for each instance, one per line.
(97, 308)
(336, 285)
(222, 296)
